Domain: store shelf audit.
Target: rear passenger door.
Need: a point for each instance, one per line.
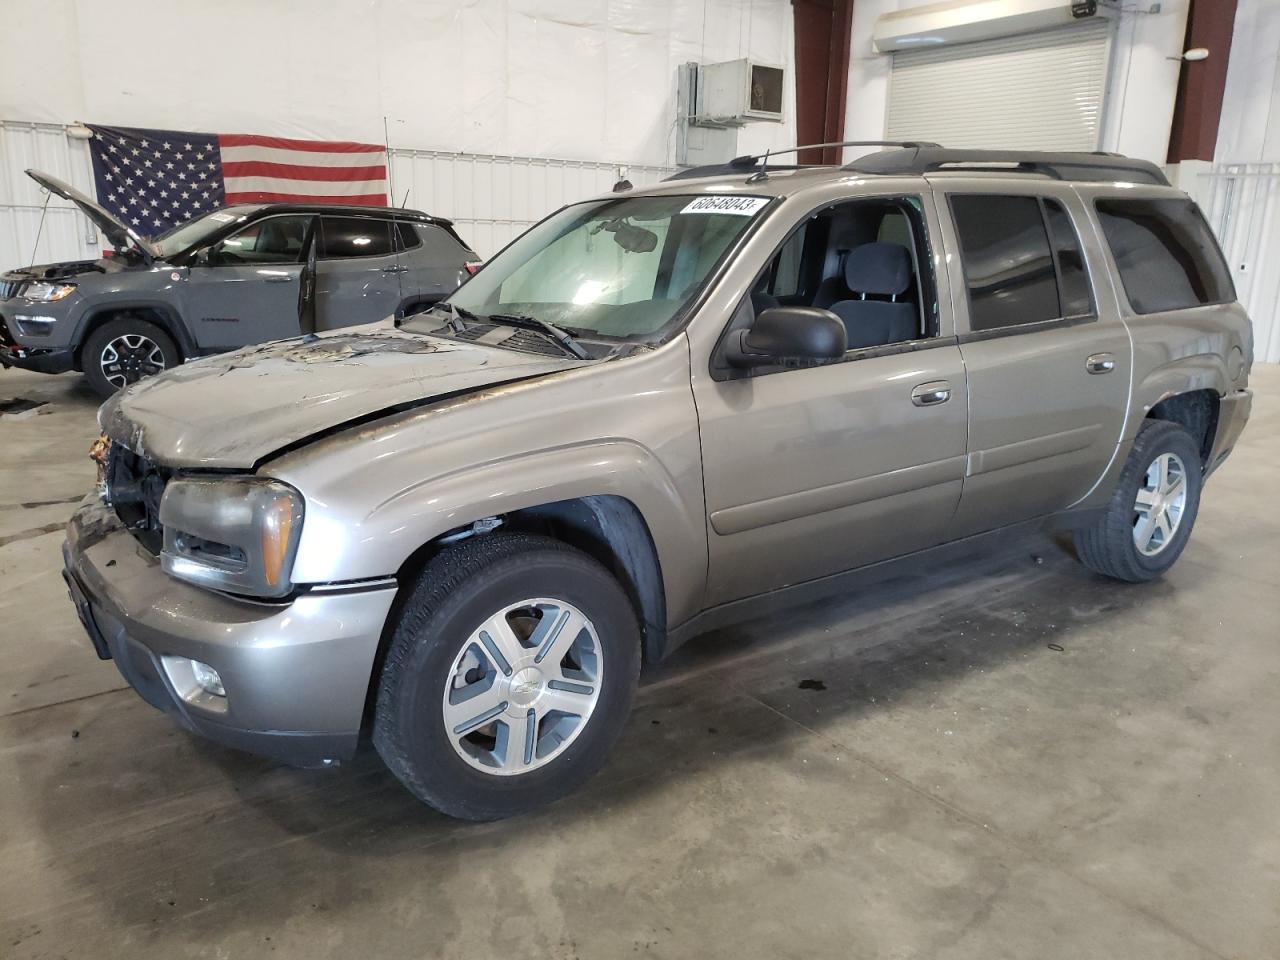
(1048, 359)
(435, 263)
(357, 272)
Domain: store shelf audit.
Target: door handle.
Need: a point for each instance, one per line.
(395, 268)
(277, 278)
(1100, 363)
(931, 394)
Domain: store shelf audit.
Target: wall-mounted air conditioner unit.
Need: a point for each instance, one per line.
(737, 92)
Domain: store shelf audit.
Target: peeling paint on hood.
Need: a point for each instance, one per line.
(232, 410)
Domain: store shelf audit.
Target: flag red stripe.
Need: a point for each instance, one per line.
(357, 200)
(298, 171)
(282, 143)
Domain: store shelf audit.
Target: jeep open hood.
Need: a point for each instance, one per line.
(233, 410)
(112, 228)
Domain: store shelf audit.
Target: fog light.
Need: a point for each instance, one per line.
(207, 678)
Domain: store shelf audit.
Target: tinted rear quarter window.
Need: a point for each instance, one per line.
(1008, 265)
(1165, 254)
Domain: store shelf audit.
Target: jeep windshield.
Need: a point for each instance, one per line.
(624, 268)
(196, 231)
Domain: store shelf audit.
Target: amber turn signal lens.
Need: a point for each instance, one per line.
(277, 524)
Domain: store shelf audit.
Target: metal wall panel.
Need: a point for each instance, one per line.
(1034, 91)
(66, 233)
(492, 199)
(1242, 203)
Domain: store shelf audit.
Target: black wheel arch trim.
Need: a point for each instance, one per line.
(168, 319)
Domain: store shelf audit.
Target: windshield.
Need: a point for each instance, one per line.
(196, 231)
(620, 268)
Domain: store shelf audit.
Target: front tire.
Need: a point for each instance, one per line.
(1149, 519)
(509, 676)
(123, 351)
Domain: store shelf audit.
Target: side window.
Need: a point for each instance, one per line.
(866, 262)
(407, 237)
(345, 237)
(1008, 265)
(1073, 278)
(272, 240)
(1165, 253)
(786, 278)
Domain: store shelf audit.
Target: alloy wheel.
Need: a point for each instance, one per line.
(1160, 503)
(523, 686)
(130, 357)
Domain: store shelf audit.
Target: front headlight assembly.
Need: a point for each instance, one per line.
(235, 534)
(43, 292)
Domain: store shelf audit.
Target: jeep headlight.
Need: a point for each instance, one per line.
(43, 292)
(237, 534)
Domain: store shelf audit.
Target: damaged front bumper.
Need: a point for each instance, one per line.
(296, 674)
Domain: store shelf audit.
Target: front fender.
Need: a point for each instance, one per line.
(337, 546)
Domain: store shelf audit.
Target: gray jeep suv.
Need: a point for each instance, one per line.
(654, 413)
(240, 275)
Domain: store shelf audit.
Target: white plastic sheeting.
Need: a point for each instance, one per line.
(582, 79)
(497, 111)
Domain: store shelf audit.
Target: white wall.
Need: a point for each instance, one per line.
(1140, 90)
(1249, 131)
(580, 79)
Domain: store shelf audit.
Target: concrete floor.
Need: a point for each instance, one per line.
(1007, 758)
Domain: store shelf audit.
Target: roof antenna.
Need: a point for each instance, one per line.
(763, 172)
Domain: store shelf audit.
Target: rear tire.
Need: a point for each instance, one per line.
(1149, 519)
(125, 350)
(509, 677)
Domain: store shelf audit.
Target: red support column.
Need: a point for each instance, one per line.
(1198, 107)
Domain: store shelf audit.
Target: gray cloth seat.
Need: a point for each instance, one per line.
(877, 270)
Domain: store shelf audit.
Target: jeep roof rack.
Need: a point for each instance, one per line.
(757, 164)
(922, 159)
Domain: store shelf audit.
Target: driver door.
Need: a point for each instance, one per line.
(251, 287)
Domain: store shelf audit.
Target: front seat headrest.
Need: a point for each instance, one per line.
(878, 268)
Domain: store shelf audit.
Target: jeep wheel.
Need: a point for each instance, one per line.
(123, 351)
(510, 675)
(1153, 509)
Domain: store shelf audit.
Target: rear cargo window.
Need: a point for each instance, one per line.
(1165, 253)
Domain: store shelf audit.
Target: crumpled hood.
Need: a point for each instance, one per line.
(234, 409)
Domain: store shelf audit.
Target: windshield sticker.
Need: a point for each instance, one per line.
(222, 217)
(740, 206)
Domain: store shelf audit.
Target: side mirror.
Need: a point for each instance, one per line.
(782, 334)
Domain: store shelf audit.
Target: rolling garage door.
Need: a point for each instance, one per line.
(1034, 91)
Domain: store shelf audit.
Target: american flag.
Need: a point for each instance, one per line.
(157, 179)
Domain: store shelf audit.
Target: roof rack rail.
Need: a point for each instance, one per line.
(756, 164)
(1094, 166)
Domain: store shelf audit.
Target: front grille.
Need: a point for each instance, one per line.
(134, 486)
(9, 288)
